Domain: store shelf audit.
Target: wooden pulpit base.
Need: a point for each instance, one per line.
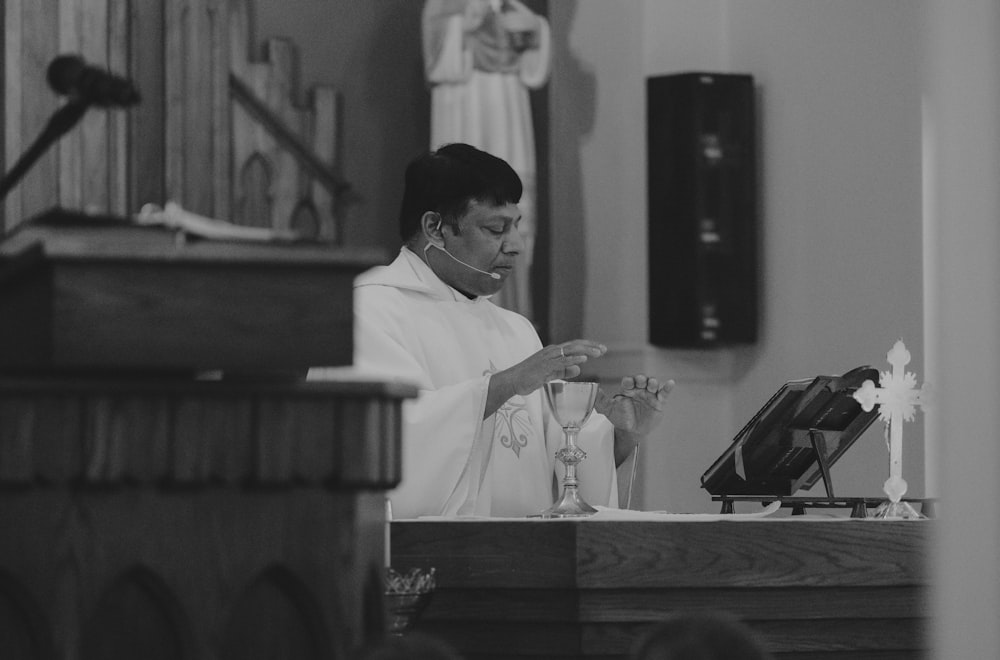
(170, 519)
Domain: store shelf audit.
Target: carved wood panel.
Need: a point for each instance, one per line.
(269, 183)
(197, 105)
(215, 520)
(218, 132)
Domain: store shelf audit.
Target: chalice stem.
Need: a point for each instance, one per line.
(570, 503)
(569, 480)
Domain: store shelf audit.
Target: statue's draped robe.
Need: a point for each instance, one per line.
(479, 95)
(410, 325)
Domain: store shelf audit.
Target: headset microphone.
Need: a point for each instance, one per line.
(495, 276)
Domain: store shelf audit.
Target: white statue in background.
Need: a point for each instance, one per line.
(481, 58)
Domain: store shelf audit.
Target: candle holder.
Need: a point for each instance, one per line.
(406, 597)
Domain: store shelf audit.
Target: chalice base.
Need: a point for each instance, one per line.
(890, 510)
(569, 505)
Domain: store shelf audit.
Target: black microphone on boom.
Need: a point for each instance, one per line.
(69, 75)
(85, 86)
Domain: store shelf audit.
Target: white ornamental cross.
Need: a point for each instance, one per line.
(898, 398)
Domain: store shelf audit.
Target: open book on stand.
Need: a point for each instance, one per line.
(794, 439)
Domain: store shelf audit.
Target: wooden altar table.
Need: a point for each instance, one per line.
(820, 589)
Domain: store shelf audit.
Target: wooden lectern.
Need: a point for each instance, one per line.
(98, 292)
(841, 589)
(147, 512)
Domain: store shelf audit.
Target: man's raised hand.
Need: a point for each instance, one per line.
(556, 361)
(637, 408)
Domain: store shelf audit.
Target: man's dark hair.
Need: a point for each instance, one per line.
(701, 636)
(447, 180)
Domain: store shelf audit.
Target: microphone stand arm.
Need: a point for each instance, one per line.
(59, 124)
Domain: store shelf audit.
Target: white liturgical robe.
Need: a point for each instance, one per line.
(410, 325)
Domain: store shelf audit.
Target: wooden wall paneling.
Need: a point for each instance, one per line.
(196, 152)
(221, 170)
(257, 158)
(147, 121)
(119, 61)
(174, 42)
(252, 188)
(31, 39)
(324, 123)
(197, 193)
(291, 196)
(83, 153)
(270, 81)
(13, 94)
(70, 168)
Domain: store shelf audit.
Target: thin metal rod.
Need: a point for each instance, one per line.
(631, 477)
(65, 118)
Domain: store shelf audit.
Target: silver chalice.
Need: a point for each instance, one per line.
(571, 404)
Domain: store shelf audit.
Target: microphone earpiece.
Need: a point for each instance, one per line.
(495, 276)
(437, 227)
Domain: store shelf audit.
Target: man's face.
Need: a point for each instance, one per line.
(488, 239)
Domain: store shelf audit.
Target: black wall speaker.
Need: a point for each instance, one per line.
(702, 209)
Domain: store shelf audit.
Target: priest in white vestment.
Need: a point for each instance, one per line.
(481, 58)
(479, 439)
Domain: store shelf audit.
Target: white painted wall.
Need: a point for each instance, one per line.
(841, 88)
(962, 79)
(839, 107)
